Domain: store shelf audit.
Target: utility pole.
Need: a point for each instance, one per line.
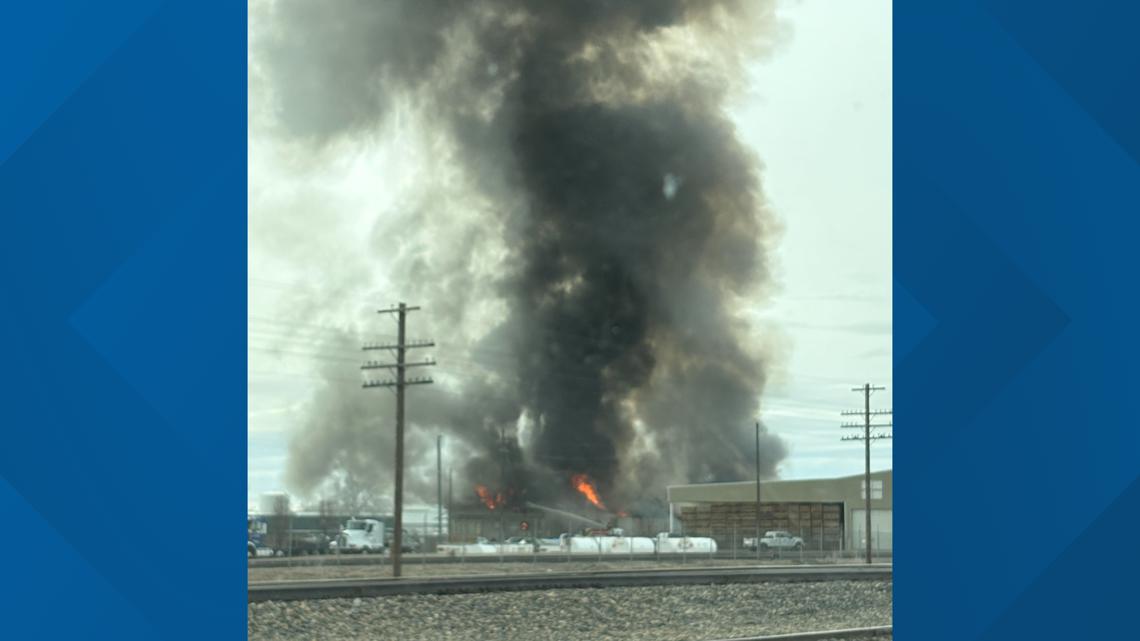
(450, 513)
(402, 381)
(438, 488)
(757, 541)
(867, 437)
(502, 483)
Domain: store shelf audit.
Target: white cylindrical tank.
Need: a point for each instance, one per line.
(607, 545)
(686, 545)
(472, 549)
(582, 544)
(630, 545)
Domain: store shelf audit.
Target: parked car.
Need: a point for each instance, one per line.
(775, 540)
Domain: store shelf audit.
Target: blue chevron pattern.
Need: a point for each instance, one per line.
(122, 180)
(1017, 189)
(123, 187)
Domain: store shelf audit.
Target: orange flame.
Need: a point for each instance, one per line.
(583, 484)
(486, 497)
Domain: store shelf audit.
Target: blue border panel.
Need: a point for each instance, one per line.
(122, 316)
(1017, 189)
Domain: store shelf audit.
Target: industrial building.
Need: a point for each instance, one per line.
(473, 521)
(423, 520)
(829, 514)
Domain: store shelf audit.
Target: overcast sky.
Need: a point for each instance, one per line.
(819, 117)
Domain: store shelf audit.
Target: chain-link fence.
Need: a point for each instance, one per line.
(687, 547)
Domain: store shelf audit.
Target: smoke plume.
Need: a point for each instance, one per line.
(587, 234)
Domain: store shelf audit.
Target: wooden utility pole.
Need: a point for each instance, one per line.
(502, 484)
(438, 488)
(757, 541)
(400, 348)
(867, 437)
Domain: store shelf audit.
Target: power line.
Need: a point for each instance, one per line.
(319, 356)
(461, 367)
(269, 320)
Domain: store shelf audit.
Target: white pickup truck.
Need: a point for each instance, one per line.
(775, 540)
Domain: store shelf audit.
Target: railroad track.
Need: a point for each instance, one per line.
(879, 632)
(351, 588)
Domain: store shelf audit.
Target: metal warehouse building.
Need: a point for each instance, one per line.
(828, 513)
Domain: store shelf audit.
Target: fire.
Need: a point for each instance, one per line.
(583, 484)
(492, 501)
(486, 497)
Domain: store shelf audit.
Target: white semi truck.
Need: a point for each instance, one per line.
(365, 536)
(370, 536)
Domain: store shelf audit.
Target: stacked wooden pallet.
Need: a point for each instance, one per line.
(819, 524)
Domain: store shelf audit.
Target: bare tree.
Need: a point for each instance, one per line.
(278, 535)
(329, 524)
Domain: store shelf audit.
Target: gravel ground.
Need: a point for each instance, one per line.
(664, 613)
(302, 572)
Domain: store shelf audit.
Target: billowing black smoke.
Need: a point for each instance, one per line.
(631, 218)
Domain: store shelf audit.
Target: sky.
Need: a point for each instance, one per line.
(818, 114)
(820, 118)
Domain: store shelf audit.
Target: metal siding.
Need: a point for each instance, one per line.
(842, 489)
